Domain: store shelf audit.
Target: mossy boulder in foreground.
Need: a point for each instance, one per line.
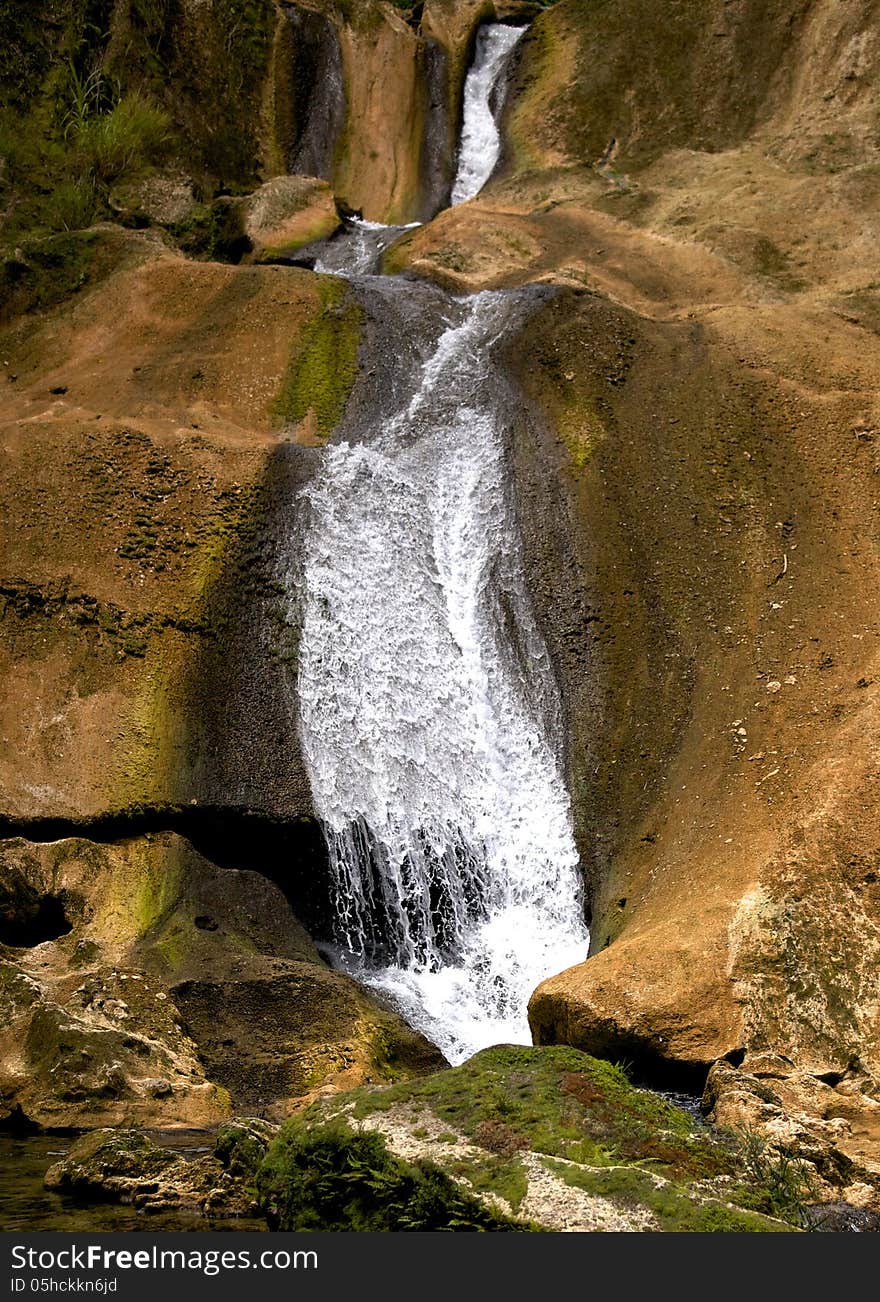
(545, 1138)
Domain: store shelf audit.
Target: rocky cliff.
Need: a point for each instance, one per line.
(699, 184)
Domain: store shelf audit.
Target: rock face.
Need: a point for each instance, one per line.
(709, 374)
(369, 96)
(177, 992)
(142, 417)
(698, 183)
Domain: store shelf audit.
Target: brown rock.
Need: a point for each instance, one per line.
(125, 1166)
(140, 1014)
(286, 213)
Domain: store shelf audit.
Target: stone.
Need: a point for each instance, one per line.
(572, 1153)
(137, 1016)
(167, 199)
(287, 213)
(125, 1166)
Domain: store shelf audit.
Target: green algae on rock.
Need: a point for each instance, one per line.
(324, 365)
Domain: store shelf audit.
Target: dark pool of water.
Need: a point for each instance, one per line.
(26, 1205)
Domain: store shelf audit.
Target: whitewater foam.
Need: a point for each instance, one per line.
(480, 144)
(429, 710)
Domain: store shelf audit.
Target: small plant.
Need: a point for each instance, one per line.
(74, 205)
(90, 95)
(133, 134)
(786, 1180)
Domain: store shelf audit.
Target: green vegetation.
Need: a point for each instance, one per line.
(505, 1177)
(61, 162)
(775, 1182)
(560, 1102)
(592, 1127)
(581, 430)
(43, 272)
(332, 1179)
(674, 1209)
(241, 1147)
(213, 231)
(323, 369)
(95, 96)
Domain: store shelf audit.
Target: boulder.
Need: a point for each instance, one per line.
(180, 992)
(524, 1138)
(287, 213)
(125, 1166)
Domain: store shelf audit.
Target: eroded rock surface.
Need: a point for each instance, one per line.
(126, 1166)
(181, 992)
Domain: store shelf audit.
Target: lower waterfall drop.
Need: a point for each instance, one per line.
(430, 716)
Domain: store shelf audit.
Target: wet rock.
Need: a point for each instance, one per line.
(841, 1218)
(139, 1015)
(125, 1166)
(292, 1030)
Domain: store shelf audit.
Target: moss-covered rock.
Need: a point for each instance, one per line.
(323, 367)
(176, 992)
(551, 1137)
(287, 213)
(335, 1179)
(241, 1145)
(127, 1167)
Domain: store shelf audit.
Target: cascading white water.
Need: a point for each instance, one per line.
(429, 711)
(429, 714)
(480, 144)
(358, 248)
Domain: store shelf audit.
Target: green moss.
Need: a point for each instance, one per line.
(333, 1179)
(322, 371)
(241, 1146)
(581, 430)
(44, 272)
(595, 1130)
(560, 1102)
(213, 232)
(385, 1052)
(675, 1209)
(154, 891)
(505, 1177)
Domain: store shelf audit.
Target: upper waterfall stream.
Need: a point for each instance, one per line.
(431, 722)
(480, 146)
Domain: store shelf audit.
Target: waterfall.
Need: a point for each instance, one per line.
(358, 248)
(430, 718)
(480, 144)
